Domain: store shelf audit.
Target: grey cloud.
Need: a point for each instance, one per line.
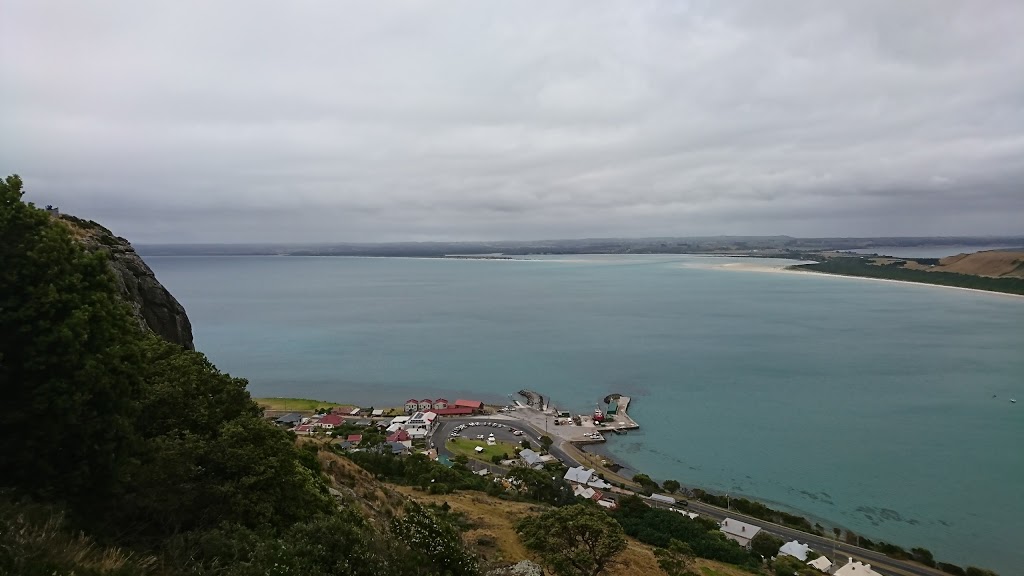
(347, 121)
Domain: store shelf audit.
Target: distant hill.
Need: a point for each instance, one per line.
(991, 263)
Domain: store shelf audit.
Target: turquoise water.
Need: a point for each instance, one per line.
(866, 403)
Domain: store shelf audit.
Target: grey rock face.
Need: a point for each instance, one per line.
(152, 305)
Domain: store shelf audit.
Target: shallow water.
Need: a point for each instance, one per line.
(881, 406)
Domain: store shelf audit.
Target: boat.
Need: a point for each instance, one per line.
(598, 414)
(1013, 400)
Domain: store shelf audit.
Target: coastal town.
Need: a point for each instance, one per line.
(494, 440)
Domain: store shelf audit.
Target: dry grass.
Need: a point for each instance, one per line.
(496, 519)
(35, 540)
(991, 263)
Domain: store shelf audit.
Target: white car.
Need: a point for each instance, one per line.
(479, 436)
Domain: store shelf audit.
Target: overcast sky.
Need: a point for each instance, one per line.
(198, 121)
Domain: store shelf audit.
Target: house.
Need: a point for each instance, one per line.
(821, 563)
(739, 532)
(353, 412)
(440, 404)
(795, 549)
(579, 475)
(377, 412)
(418, 426)
(304, 429)
(852, 568)
(531, 459)
(354, 438)
(365, 423)
(290, 419)
(588, 493)
(609, 504)
(346, 446)
(399, 420)
(397, 448)
(596, 482)
(460, 411)
(329, 421)
(425, 405)
(474, 404)
(412, 405)
(401, 437)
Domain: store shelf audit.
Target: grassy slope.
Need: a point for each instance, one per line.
(493, 520)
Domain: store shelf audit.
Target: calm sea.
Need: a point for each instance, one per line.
(882, 407)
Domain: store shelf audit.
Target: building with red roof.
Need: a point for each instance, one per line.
(474, 404)
(440, 404)
(399, 435)
(329, 421)
(412, 405)
(354, 438)
(458, 411)
(425, 405)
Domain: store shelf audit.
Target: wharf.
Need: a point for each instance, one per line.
(586, 432)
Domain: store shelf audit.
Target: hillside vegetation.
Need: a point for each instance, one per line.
(128, 455)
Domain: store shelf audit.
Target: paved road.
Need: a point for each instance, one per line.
(838, 552)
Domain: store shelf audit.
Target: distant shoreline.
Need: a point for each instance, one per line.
(743, 267)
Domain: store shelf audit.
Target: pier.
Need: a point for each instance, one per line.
(580, 429)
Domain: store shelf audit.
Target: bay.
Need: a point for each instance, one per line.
(882, 407)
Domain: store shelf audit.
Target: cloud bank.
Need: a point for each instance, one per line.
(246, 121)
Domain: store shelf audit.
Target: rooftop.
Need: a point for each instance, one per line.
(741, 529)
(795, 549)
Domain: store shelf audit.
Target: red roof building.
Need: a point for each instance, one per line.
(355, 438)
(462, 411)
(474, 404)
(330, 421)
(399, 436)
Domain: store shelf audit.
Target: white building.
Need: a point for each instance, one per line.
(821, 563)
(795, 549)
(531, 458)
(580, 475)
(739, 532)
(853, 568)
(418, 426)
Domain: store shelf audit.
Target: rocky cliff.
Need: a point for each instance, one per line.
(153, 306)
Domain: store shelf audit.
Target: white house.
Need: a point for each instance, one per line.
(821, 563)
(853, 568)
(418, 426)
(740, 532)
(580, 475)
(795, 549)
(531, 458)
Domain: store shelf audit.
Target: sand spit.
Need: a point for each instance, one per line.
(785, 269)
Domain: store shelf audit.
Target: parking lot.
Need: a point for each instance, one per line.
(502, 431)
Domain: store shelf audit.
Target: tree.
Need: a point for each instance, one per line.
(765, 544)
(578, 540)
(676, 560)
(435, 541)
(67, 348)
(546, 442)
(671, 486)
(924, 556)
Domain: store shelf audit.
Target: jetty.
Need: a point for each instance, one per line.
(580, 429)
